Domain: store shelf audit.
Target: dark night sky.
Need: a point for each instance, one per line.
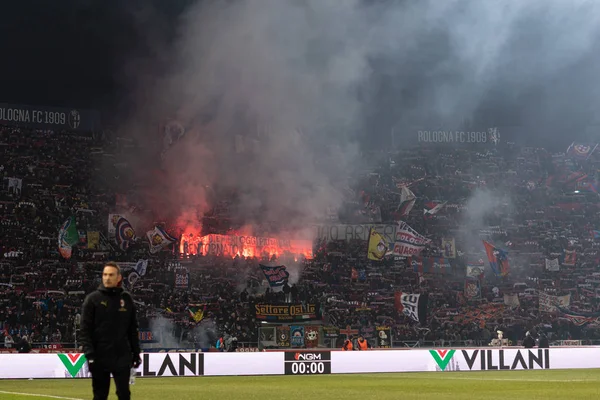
(82, 53)
(72, 52)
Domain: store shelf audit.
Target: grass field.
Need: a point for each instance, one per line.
(504, 385)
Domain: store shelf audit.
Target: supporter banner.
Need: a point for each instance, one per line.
(548, 303)
(570, 258)
(377, 247)
(475, 271)
(448, 248)
(552, 265)
(512, 300)
(50, 117)
(247, 246)
(311, 336)
(570, 342)
(481, 314)
(74, 365)
(408, 242)
(331, 332)
(182, 278)
(276, 276)
(267, 336)
(15, 185)
(93, 240)
(147, 336)
(297, 336)
(430, 265)
(384, 337)
(472, 289)
(412, 305)
(283, 336)
(335, 232)
(287, 312)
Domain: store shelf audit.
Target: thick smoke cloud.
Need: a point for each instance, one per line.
(277, 96)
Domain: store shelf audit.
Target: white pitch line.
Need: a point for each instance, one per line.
(40, 395)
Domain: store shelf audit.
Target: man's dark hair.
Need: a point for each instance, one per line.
(114, 265)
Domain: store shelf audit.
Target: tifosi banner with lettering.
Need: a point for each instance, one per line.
(334, 232)
(287, 312)
(72, 119)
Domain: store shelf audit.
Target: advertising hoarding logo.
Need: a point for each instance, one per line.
(442, 357)
(72, 362)
(302, 363)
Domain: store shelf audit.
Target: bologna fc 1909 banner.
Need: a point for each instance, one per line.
(50, 117)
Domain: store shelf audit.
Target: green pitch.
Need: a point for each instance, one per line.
(502, 385)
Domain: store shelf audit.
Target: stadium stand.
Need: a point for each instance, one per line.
(539, 208)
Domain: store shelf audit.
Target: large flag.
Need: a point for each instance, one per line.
(67, 237)
(407, 201)
(276, 276)
(498, 259)
(158, 239)
(579, 318)
(408, 241)
(140, 267)
(412, 305)
(196, 312)
(432, 208)
(581, 151)
(124, 233)
(377, 247)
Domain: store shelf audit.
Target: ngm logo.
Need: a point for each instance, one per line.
(307, 357)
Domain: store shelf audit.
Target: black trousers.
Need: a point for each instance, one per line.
(101, 383)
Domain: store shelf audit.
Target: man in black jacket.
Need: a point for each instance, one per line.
(109, 335)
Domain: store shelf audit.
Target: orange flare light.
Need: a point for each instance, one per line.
(246, 246)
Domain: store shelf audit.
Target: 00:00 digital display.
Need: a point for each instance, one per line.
(308, 368)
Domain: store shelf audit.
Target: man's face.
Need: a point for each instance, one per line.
(110, 277)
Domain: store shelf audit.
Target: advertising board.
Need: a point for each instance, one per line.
(74, 365)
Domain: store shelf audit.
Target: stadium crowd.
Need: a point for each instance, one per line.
(542, 208)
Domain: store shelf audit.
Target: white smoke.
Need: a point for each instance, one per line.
(275, 93)
(484, 208)
(164, 328)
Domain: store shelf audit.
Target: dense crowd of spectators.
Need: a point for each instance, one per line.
(538, 206)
